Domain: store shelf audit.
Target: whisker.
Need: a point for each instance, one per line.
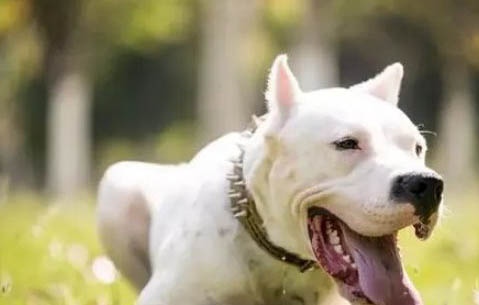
(429, 132)
(425, 131)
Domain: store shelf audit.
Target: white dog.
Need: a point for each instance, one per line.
(316, 191)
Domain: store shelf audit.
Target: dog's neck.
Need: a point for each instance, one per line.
(244, 208)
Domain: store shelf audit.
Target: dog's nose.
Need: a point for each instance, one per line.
(423, 191)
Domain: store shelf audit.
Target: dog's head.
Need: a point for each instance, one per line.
(336, 173)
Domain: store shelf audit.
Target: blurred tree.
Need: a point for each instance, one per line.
(314, 50)
(65, 69)
(225, 90)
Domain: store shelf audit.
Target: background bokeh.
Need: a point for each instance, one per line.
(85, 83)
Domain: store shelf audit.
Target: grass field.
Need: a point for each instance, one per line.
(49, 254)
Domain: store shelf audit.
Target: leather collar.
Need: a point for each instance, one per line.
(244, 209)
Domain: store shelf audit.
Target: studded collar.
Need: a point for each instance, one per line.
(244, 209)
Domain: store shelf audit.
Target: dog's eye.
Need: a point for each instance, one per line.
(418, 149)
(345, 144)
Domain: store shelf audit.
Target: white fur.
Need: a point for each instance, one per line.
(201, 255)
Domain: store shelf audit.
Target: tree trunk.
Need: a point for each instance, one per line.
(65, 68)
(456, 139)
(315, 55)
(68, 133)
(225, 101)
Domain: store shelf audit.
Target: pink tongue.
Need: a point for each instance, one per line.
(381, 274)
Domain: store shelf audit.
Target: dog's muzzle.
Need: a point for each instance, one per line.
(423, 191)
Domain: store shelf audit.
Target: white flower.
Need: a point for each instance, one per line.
(104, 270)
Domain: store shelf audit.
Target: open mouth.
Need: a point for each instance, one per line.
(367, 269)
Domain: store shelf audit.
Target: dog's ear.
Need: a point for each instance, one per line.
(283, 89)
(386, 85)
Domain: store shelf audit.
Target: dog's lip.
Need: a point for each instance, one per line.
(309, 198)
(422, 228)
(316, 210)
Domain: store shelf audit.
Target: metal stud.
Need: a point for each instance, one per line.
(243, 201)
(232, 177)
(235, 195)
(241, 214)
(239, 183)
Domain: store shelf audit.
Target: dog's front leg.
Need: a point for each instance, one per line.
(157, 293)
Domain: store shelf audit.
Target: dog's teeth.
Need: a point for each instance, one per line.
(234, 195)
(347, 258)
(353, 265)
(334, 233)
(334, 239)
(239, 183)
(338, 249)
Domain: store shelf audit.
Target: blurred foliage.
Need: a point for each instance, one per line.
(174, 144)
(139, 24)
(142, 58)
(452, 25)
(48, 252)
(13, 14)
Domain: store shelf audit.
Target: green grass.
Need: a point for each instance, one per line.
(47, 251)
(46, 255)
(445, 268)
